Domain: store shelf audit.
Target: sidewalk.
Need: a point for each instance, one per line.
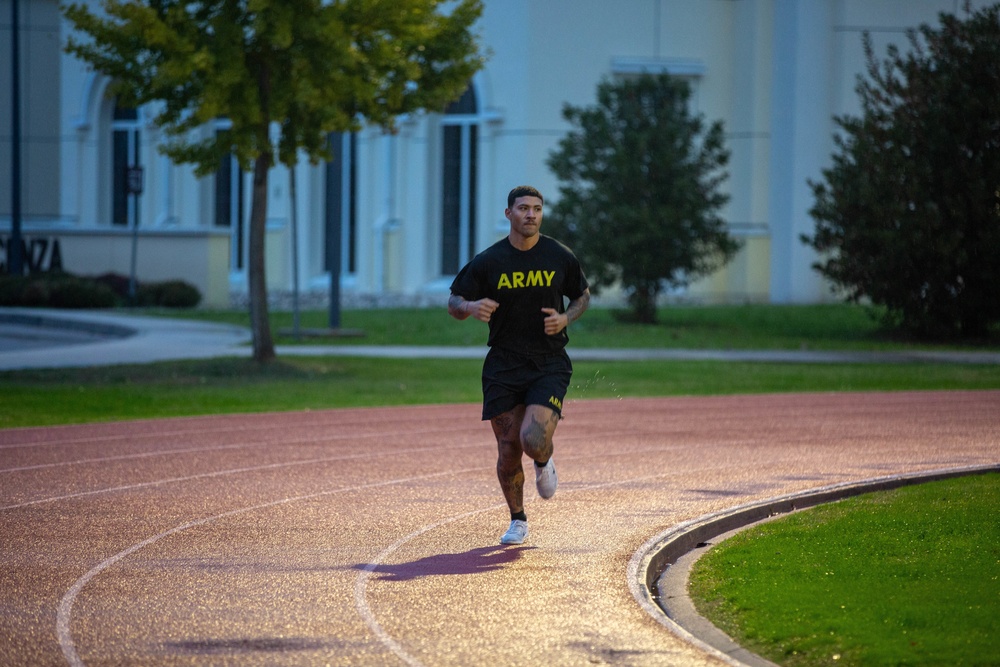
(45, 338)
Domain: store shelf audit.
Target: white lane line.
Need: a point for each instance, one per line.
(234, 471)
(125, 457)
(361, 583)
(222, 473)
(242, 445)
(100, 439)
(65, 610)
(195, 428)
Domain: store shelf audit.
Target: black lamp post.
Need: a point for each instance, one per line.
(15, 260)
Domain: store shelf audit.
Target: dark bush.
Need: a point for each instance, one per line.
(168, 294)
(73, 292)
(35, 293)
(55, 290)
(64, 290)
(12, 290)
(116, 281)
(179, 294)
(907, 216)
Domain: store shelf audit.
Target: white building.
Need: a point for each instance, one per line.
(416, 205)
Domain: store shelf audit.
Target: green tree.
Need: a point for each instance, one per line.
(286, 73)
(908, 215)
(639, 193)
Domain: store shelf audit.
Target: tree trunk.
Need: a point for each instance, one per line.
(974, 323)
(643, 302)
(260, 325)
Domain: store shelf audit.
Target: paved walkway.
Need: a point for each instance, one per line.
(31, 338)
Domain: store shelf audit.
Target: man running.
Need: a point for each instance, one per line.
(518, 286)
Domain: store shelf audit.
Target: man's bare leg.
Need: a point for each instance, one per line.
(507, 429)
(538, 425)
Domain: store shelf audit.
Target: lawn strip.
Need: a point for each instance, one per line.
(909, 576)
(237, 385)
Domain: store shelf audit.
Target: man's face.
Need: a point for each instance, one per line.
(526, 216)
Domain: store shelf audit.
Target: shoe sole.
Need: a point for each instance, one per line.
(556, 486)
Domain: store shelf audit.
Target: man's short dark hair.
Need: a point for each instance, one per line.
(523, 191)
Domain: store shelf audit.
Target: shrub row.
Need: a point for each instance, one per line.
(64, 290)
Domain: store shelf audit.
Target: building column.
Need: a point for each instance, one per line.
(801, 141)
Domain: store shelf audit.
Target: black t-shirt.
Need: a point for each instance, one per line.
(523, 282)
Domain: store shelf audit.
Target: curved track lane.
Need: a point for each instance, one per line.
(369, 536)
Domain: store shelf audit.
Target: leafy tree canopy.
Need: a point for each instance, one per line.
(640, 189)
(310, 67)
(313, 66)
(908, 215)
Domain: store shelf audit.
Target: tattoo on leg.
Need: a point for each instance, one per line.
(510, 472)
(537, 433)
(511, 485)
(503, 422)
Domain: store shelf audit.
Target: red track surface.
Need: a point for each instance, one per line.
(369, 537)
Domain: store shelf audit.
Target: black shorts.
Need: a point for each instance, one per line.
(511, 379)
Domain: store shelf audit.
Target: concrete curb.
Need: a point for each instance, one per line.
(658, 571)
(107, 339)
(84, 323)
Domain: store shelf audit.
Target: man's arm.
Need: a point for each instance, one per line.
(577, 307)
(460, 309)
(556, 322)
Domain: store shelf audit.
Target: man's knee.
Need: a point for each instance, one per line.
(536, 431)
(534, 439)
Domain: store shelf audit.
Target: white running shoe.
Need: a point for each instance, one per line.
(546, 480)
(516, 534)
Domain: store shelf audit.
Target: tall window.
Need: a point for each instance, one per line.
(458, 214)
(229, 204)
(125, 154)
(341, 201)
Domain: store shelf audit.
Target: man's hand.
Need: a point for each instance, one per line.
(554, 321)
(482, 309)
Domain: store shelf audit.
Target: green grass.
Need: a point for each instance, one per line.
(34, 398)
(765, 327)
(230, 385)
(906, 577)
(197, 387)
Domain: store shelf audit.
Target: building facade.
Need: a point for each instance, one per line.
(409, 209)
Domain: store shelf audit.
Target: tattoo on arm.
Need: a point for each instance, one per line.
(577, 307)
(456, 307)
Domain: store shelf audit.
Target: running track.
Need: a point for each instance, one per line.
(369, 536)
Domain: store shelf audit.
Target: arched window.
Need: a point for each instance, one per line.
(125, 128)
(229, 201)
(458, 200)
